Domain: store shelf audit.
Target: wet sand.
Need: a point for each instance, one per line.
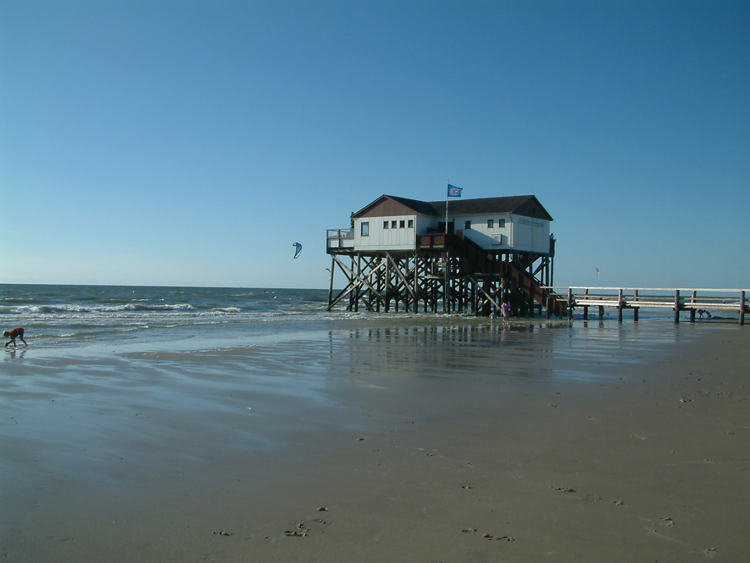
(410, 443)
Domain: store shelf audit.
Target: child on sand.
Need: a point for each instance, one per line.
(13, 334)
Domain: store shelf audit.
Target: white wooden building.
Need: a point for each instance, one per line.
(499, 224)
(401, 254)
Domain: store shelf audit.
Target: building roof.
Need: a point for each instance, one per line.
(386, 205)
(527, 205)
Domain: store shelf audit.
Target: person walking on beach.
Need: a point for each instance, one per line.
(13, 334)
(506, 310)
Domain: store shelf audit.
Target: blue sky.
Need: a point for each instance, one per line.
(192, 142)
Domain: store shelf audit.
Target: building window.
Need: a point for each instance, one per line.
(385, 224)
(411, 223)
(393, 224)
(402, 224)
(501, 223)
(467, 225)
(365, 229)
(490, 223)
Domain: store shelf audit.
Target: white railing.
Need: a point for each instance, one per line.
(340, 238)
(677, 299)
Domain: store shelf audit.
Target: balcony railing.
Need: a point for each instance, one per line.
(434, 240)
(339, 239)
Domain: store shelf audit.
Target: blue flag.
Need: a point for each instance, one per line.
(454, 191)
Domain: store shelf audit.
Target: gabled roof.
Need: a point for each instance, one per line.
(388, 205)
(527, 205)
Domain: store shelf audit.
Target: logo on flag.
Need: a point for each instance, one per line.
(454, 191)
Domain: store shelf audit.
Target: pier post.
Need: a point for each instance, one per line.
(446, 302)
(742, 308)
(330, 284)
(619, 306)
(416, 284)
(677, 306)
(692, 308)
(387, 286)
(586, 307)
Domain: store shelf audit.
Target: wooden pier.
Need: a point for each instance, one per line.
(400, 254)
(695, 301)
(450, 275)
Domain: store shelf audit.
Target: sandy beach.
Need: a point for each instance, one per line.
(385, 442)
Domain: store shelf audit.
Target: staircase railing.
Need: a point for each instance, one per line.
(478, 260)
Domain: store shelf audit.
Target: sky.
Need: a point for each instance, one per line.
(192, 142)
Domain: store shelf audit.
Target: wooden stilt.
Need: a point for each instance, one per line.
(464, 279)
(330, 283)
(742, 308)
(692, 309)
(416, 284)
(586, 307)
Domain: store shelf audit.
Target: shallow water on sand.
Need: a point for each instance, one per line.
(139, 450)
(91, 400)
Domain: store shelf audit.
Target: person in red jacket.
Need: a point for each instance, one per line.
(13, 334)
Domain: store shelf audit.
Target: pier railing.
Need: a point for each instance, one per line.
(695, 301)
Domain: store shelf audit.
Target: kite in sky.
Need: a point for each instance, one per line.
(298, 250)
(597, 269)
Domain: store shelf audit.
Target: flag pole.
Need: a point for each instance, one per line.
(455, 192)
(447, 191)
(446, 303)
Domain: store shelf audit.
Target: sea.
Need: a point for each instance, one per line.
(120, 317)
(91, 316)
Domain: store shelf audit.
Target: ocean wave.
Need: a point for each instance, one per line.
(73, 308)
(82, 315)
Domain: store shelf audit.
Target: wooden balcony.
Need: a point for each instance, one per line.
(339, 241)
(435, 241)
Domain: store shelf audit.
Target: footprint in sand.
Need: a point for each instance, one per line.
(563, 489)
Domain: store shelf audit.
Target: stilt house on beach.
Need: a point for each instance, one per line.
(465, 255)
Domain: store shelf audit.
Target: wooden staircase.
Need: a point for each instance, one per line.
(476, 260)
(554, 304)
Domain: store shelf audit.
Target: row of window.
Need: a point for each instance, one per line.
(401, 224)
(490, 224)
